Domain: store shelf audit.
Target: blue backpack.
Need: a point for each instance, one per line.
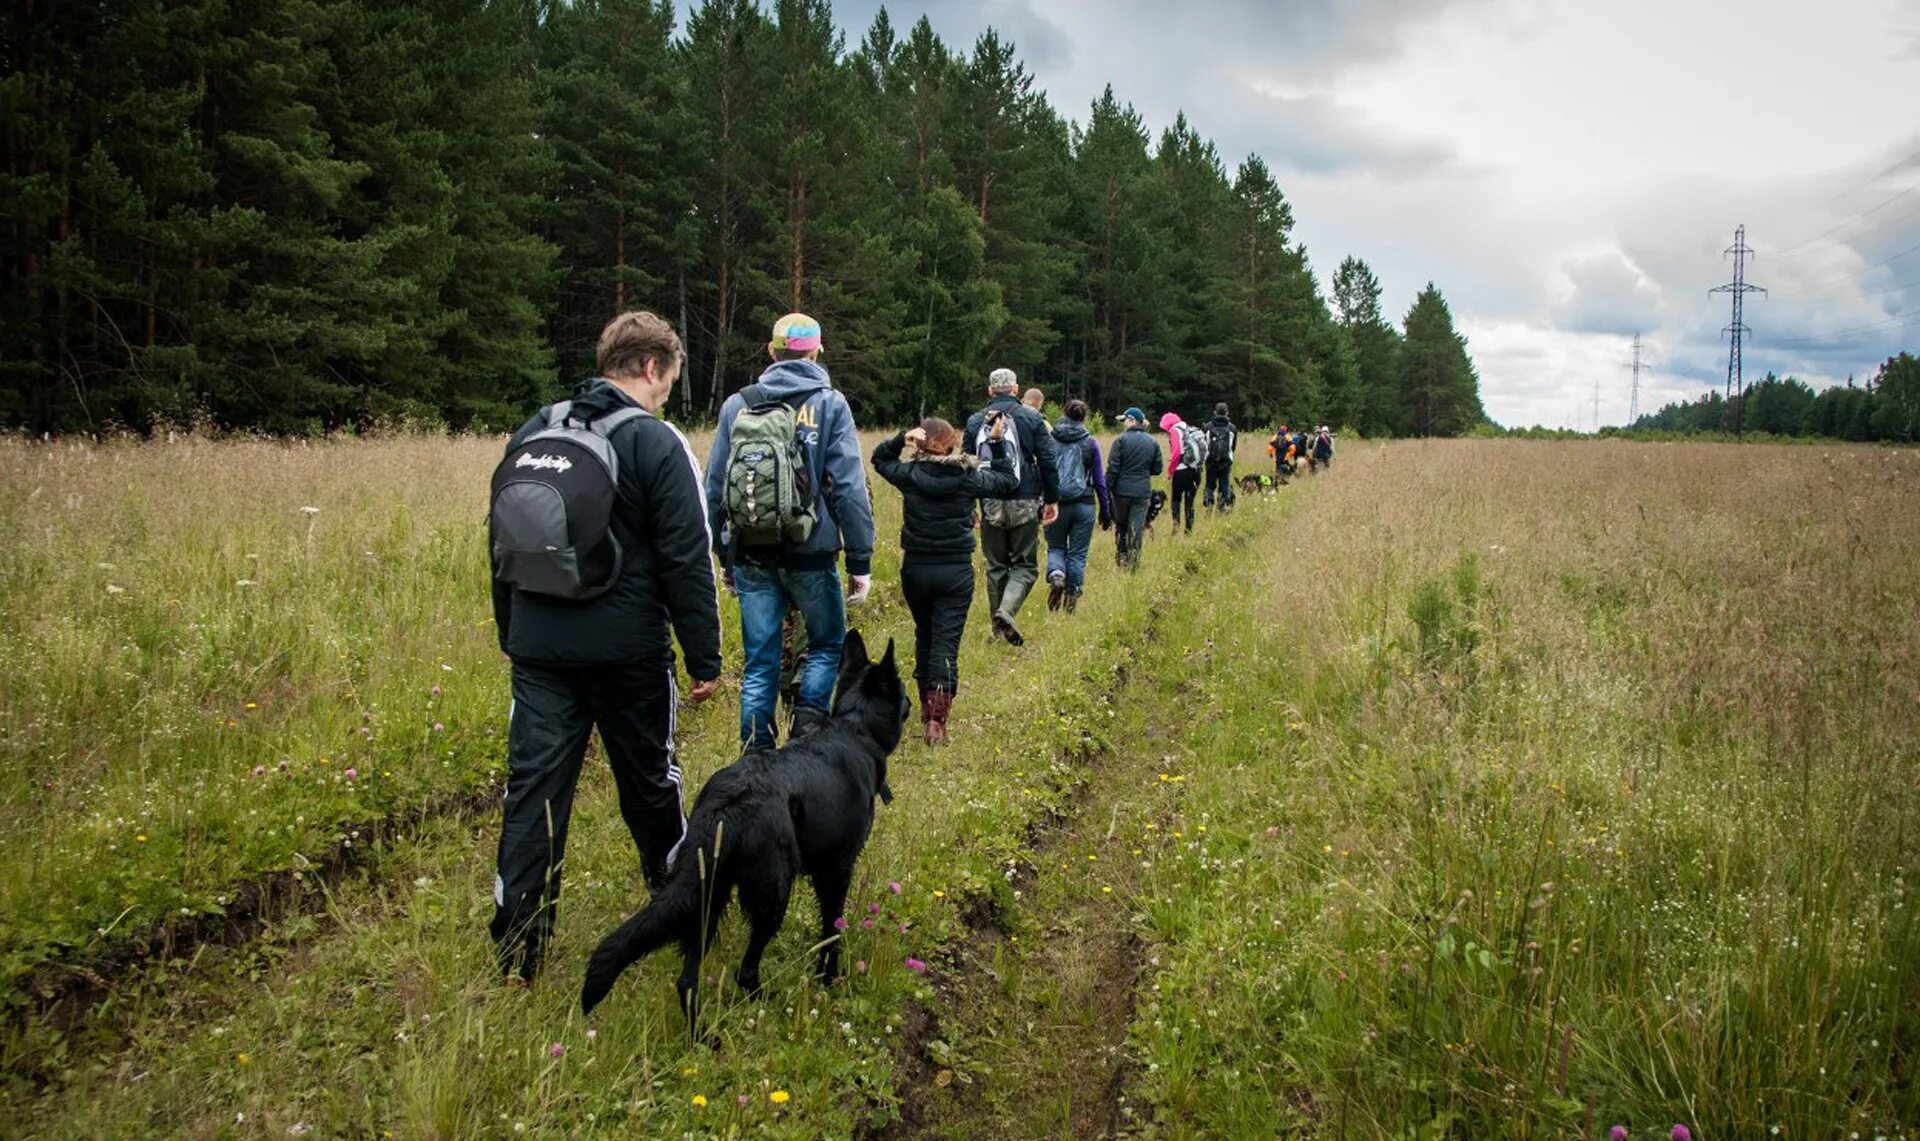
(1071, 463)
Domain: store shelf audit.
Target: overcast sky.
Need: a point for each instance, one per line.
(1567, 172)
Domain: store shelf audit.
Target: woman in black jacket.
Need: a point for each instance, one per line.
(938, 486)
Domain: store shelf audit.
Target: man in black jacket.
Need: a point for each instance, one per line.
(1131, 463)
(1010, 527)
(1222, 440)
(607, 661)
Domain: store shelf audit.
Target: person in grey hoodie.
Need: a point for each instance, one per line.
(805, 575)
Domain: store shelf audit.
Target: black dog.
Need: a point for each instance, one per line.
(1156, 503)
(805, 809)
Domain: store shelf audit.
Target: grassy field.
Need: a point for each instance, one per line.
(1473, 789)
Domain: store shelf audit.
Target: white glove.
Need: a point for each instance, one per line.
(857, 587)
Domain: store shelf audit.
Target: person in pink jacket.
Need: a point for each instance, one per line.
(1185, 455)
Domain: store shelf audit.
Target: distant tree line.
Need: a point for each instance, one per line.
(302, 215)
(1887, 407)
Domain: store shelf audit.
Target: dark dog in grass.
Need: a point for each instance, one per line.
(1156, 503)
(765, 819)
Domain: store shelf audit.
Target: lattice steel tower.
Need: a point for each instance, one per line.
(1736, 332)
(1633, 393)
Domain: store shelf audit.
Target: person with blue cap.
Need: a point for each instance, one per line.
(1131, 463)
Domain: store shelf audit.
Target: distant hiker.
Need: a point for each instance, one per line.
(1010, 525)
(1035, 399)
(787, 488)
(939, 482)
(599, 543)
(1131, 463)
(1222, 441)
(1280, 447)
(1323, 447)
(1186, 459)
(1083, 500)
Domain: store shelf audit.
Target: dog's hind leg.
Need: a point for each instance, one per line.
(830, 885)
(765, 906)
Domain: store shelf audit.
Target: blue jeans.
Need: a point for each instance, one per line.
(1069, 537)
(765, 594)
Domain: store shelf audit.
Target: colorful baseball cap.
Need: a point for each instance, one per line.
(796, 332)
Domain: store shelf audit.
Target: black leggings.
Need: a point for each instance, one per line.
(1186, 481)
(939, 595)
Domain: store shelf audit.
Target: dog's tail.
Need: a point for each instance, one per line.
(667, 917)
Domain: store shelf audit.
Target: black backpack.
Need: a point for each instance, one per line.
(553, 498)
(1219, 445)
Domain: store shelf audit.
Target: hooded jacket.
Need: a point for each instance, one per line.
(1131, 463)
(665, 588)
(1168, 424)
(842, 511)
(1218, 458)
(937, 495)
(1039, 478)
(1073, 434)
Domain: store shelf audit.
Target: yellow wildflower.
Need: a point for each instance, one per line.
(779, 1097)
(699, 1101)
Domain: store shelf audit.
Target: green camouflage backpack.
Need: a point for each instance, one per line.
(769, 492)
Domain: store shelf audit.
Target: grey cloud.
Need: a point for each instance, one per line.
(1313, 134)
(1610, 295)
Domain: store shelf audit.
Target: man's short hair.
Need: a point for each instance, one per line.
(1032, 396)
(632, 339)
(1076, 410)
(1220, 410)
(1002, 380)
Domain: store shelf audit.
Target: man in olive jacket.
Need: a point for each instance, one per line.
(1010, 527)
(1131, 464)
(607, 661)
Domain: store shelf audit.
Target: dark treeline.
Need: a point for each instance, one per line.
(1887, 408)
(301, 215)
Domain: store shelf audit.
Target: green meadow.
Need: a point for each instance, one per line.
(1472, 789)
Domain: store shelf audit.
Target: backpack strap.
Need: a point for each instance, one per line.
(557, 413)
(604, 425)
(754, 396)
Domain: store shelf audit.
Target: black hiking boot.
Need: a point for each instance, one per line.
(1007, 630)
(1056, 589)
(806, 721)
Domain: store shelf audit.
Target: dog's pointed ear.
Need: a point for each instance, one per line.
(886, 659)
(853, 654)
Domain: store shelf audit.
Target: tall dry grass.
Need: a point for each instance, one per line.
(1589, 770)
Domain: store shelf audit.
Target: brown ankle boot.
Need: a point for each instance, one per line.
(935, 704)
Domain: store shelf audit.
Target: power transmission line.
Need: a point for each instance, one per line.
(1846, 277)
(1737, 331)
(1896, 165)
(1844, 334)
(1811, 245)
